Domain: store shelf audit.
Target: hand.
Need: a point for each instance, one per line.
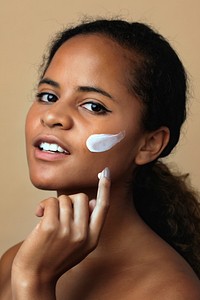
(68, 231)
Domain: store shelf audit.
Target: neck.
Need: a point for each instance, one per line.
(123, 227)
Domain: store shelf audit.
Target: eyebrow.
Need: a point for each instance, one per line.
(49, 81)
(94, 89)
(79, 89)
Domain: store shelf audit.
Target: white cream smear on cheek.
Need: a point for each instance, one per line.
(103, 142)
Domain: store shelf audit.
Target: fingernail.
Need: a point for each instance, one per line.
(106, 173)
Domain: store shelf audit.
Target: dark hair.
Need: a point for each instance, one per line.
(159, 80)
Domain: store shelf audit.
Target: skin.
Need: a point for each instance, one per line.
(84, 248)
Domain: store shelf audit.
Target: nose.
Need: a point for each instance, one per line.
(57, 116)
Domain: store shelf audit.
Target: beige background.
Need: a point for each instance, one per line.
(25, 29)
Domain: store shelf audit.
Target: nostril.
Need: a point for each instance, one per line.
(53, 118)
(50, 123)
(57, 124)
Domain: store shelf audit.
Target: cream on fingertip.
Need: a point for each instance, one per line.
(104, 174)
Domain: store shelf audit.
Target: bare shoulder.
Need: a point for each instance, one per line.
(7, 260)
(5, 271)
(174, 280)
(180, 287)
(169, 276)
(175, 286)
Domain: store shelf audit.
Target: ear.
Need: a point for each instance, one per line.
(152, 145)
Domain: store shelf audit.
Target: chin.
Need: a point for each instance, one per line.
(67, 188)
(43, 186)
(44, 182)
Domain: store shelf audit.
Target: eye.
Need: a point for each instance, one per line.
(95, 107)
(46, 97)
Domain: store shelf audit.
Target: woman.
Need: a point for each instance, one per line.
(111, 97)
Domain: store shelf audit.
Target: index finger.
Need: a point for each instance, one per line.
(99, 213)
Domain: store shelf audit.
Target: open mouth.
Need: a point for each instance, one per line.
(52, 147)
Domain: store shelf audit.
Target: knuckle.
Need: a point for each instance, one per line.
(63, 198)
(80, 196)
(65, 204)
(65, 232)
(49, 227)
(80, 238)
(49, 201)
(52, 201)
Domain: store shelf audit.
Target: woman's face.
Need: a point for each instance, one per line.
(83, 92)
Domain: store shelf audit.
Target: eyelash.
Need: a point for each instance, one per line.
(100, 109)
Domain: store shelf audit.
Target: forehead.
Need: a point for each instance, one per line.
(96, 44)
(94, 58)
(93, 51)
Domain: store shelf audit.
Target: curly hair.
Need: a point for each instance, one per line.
(169, 205)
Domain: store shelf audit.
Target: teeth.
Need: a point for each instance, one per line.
(51, 147)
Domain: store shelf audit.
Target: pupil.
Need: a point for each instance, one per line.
(50, 97)
(96, 107)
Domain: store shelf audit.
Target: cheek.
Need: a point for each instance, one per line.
(27, 126)
(32, 121)
(120, 158)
